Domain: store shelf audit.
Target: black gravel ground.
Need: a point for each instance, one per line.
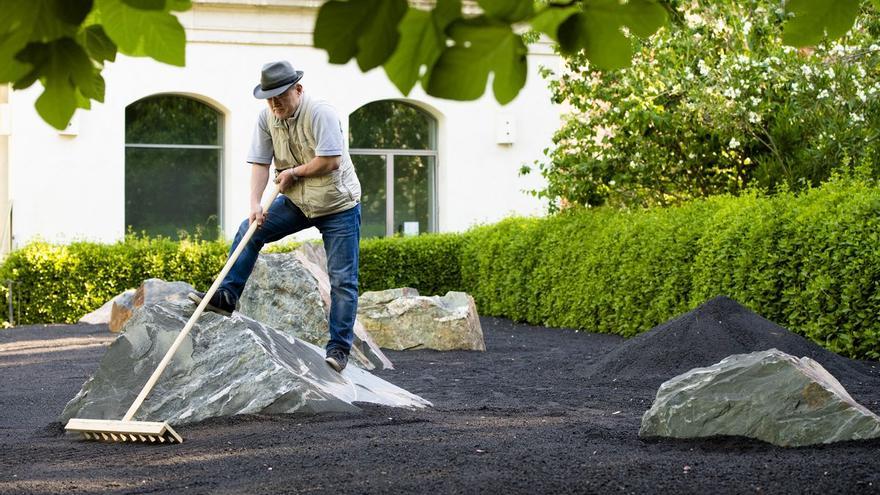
(533, 414)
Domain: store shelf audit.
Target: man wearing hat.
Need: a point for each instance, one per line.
(320, 189)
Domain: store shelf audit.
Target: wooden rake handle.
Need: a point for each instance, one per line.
(199, 310)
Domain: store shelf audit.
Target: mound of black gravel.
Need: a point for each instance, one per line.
(717, 329)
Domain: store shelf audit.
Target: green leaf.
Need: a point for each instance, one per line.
(548, 20)
(481, 46)
(63, 66)
(179, 5)
(508, 10)
(422, 39)
(378, 41)
(597, 30)
(96, 42)
(813, 19)
(156, 34)
(366, 29)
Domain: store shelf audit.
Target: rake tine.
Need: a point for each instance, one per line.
(105, 437)
(86, 436)
(143, 439)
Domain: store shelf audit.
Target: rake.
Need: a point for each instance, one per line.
(126, 430)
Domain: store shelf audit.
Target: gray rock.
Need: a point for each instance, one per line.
(282, 294)
(767, 395)
(314, 259)
(400, 319)
(226, 366)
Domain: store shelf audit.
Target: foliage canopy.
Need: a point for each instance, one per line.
(452, 51)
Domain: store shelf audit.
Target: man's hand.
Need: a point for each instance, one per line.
(285, 179)
(257, 214)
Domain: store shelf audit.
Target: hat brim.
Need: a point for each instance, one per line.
(261, 94)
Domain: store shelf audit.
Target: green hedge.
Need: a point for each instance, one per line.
(810, 262)
(54, 284)
(429, 263)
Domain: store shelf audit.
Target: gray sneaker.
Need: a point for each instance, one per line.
(221, 302)
(337, 359)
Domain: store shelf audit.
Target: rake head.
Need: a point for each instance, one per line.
(124, 431)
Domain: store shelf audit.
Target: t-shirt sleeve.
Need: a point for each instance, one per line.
(261, 142)
(327, 130)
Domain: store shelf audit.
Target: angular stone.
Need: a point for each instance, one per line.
(226, 366)
(150, 291)
(767, 395)
(399, 319)
(103, 315)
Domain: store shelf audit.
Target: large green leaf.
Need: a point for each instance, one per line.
(813, 19)
(508, 10)
(65, 70)
(154, 33)
(97, 44)
(481, 46)
(422, 39)
(598, 29)
(366, 29)
(547, 21)
(379, 40)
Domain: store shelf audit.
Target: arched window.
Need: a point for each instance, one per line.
(173, 153)
(394, 147)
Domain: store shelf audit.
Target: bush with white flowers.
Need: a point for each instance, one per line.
(714, 103)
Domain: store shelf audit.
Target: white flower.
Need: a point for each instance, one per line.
(874, 48)
(719, 26)
(742, 59)
(747, 27)
(693, 20)
(702, 67)
(795, 86)
(856, 118)
(733, 144)
(807, 70)
(755, 101)
(822, 94)
(830, 72)
(754, 118)
(688, 74)
(731, 93)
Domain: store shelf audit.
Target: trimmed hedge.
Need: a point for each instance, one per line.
(810, 262)
(61, 283)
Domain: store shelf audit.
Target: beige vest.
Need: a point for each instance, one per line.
(294, 143)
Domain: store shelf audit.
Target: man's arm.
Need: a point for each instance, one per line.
(259, 179)
(320, 165)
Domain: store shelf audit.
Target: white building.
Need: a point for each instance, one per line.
(166, 150)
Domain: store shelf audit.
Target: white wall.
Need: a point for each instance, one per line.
(72, 187)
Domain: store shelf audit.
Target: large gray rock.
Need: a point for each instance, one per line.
(226, 366)
(767, 395)
(401, 319)
(291, 293)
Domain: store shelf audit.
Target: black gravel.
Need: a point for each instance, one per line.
(536, 413)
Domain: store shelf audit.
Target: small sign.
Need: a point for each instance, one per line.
(410, 228)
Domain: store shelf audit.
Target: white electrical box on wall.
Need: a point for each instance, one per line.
(5, 119)
(505, 129)
(72, 128)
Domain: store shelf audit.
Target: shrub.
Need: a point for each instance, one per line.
(715, 104)
(56, 284)
(429, 263)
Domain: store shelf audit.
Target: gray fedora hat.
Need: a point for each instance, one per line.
(276, 77)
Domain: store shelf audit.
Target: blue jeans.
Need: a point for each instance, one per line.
(341, 233)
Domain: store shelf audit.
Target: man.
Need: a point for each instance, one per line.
(320, 189)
